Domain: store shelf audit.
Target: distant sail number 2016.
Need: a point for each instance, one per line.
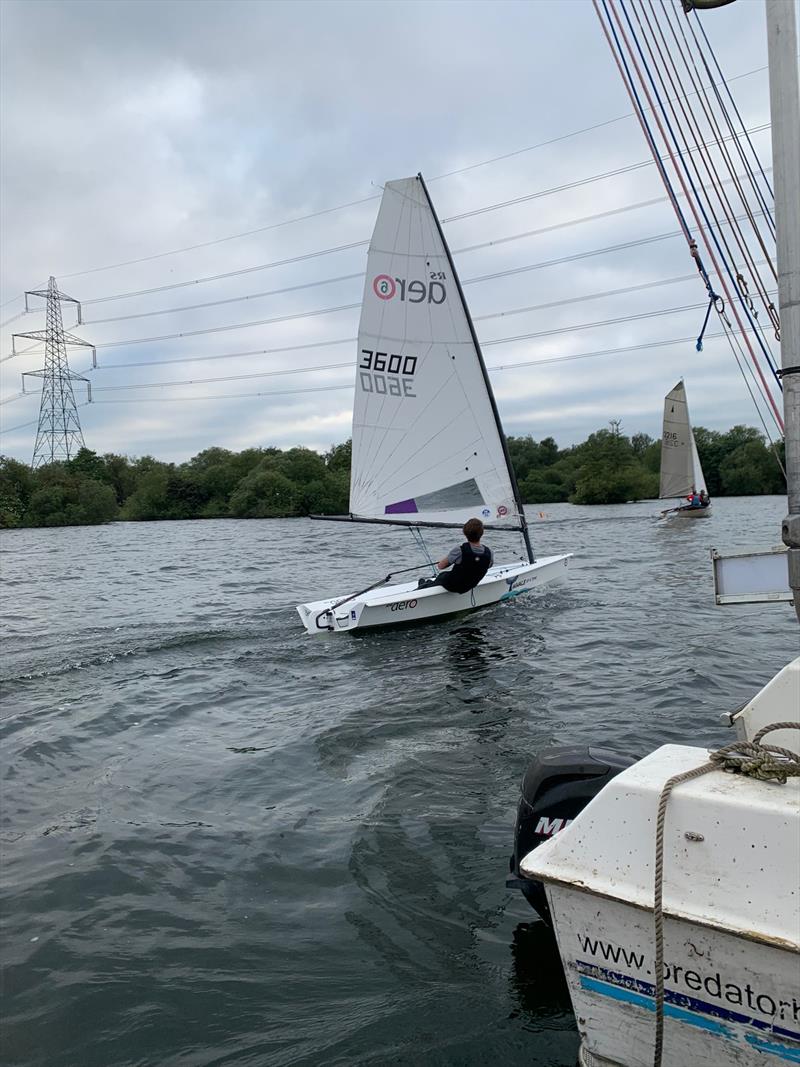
(387, 373)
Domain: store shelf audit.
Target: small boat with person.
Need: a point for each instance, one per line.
(681, 471)
(428, 445)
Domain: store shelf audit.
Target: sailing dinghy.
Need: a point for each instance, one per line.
(428, 445)
(681, 473)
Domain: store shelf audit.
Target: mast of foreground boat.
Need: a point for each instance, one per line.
(785, 112)
(512, 476)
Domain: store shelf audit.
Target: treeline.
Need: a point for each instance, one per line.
(610, 468)
(263, 483)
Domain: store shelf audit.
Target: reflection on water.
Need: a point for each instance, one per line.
(226, 842)
(537, 978)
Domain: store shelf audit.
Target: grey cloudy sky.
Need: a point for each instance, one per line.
(134, 129)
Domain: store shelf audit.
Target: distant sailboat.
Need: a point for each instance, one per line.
(428, 445)
(681, 472)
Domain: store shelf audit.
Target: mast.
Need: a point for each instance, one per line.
(785, 113)
(485, 373)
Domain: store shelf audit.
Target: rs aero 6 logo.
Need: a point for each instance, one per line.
(413, 292)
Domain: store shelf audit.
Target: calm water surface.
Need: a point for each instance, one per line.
(225, 842)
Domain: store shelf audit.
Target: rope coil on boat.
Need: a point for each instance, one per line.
(751, 758)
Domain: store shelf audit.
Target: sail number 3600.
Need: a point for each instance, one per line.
(387, 373)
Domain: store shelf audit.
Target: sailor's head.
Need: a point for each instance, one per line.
(473, 530)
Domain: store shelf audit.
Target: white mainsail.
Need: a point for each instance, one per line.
(680, 464)
(427, 445)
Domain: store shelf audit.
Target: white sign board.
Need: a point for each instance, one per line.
(752, 577)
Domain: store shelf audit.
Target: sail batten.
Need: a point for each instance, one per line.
(427, 445)
(681, 471)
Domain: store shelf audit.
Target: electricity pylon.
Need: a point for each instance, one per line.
(59, 435)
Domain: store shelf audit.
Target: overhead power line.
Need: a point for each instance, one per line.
(506, 313)
(575, 328)
(548, 360)
(494, 243)
(366, 199)
(351, 245)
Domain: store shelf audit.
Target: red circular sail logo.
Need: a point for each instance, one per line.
(384, 287)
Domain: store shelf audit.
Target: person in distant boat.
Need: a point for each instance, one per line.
(469, 562)
(694, 499)
(705, 499)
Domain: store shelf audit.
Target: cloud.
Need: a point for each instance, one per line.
(130, 129)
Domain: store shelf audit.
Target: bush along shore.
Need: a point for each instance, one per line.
(264, 483)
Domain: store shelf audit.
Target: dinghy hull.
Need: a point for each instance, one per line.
(692, 513)
(393, 604)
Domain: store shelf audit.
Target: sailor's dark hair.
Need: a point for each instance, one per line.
(473, 529)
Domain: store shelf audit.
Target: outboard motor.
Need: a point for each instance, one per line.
(557, 786)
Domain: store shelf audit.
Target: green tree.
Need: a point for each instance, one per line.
(751, 470)
(68, 498)
(339, 457)
(610, 471)
(264, 494)
(16, 482)
(149, 500)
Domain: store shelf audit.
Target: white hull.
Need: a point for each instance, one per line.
(729, 1000)
(394, 604)
(693, 513)
(731, 936)
(686, 513)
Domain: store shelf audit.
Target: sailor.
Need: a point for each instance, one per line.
(705, 499)
(469, 562)
(694, 499)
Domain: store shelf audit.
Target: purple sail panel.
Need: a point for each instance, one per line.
(402, 507)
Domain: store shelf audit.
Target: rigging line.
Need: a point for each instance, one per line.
(741, 365)
(724, 81)
(763, 201)
(695, 77)
(713, 177)
(699, 224)
(705, 154)
(689, 163)
(627, 80)
(745, 368)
